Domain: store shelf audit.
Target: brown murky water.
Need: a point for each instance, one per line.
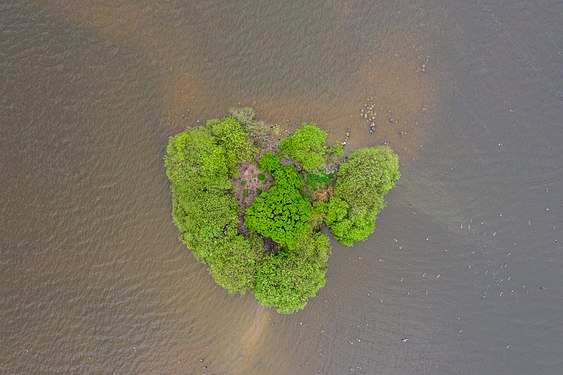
(466, 263)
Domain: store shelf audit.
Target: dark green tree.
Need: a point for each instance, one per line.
(280, 213)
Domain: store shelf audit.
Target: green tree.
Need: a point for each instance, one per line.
(349, 225)
(201, 163)
(269, 162)
(234, 262)
(288, 177)
(306, 147)
(280, 213)
(233, 138)
(287, 281)
(202, 207)
(363, 180)
(194, 162)
(367, 175)
(203, 220)
(315, 247)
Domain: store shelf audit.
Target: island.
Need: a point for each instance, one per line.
(256, 207)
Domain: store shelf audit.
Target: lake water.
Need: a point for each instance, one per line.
(464, 274)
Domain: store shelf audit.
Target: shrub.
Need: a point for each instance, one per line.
(263, 134)
(306, 147)
(337, 150)
(320, 209)
(319, 179)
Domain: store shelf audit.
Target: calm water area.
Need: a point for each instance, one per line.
(464, 274)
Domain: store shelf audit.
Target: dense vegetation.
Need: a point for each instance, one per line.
(281, 213)
(363, 180)
(306, 147)
(271, 242)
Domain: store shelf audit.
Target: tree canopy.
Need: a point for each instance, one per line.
(306, 147)
(363, 181)
(270, 242)
(287, 281)
(281, 212)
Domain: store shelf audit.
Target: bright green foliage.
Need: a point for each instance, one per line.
(201, 164)
(320, 210)
(337, 150)
(196, 166)
(314, 247)
(287, 281)
(306, 147)
(363, 180)
(288, 177)
(195, 162)
(231, 136)
(204, 208)
(367, 175)
(203, 221)
(234, 262)
(280, 213)
(269, 162)
(349, 225)
(336, 210)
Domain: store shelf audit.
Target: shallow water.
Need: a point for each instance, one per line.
(466, 262)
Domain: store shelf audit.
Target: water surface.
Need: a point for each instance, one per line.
(466, 262)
